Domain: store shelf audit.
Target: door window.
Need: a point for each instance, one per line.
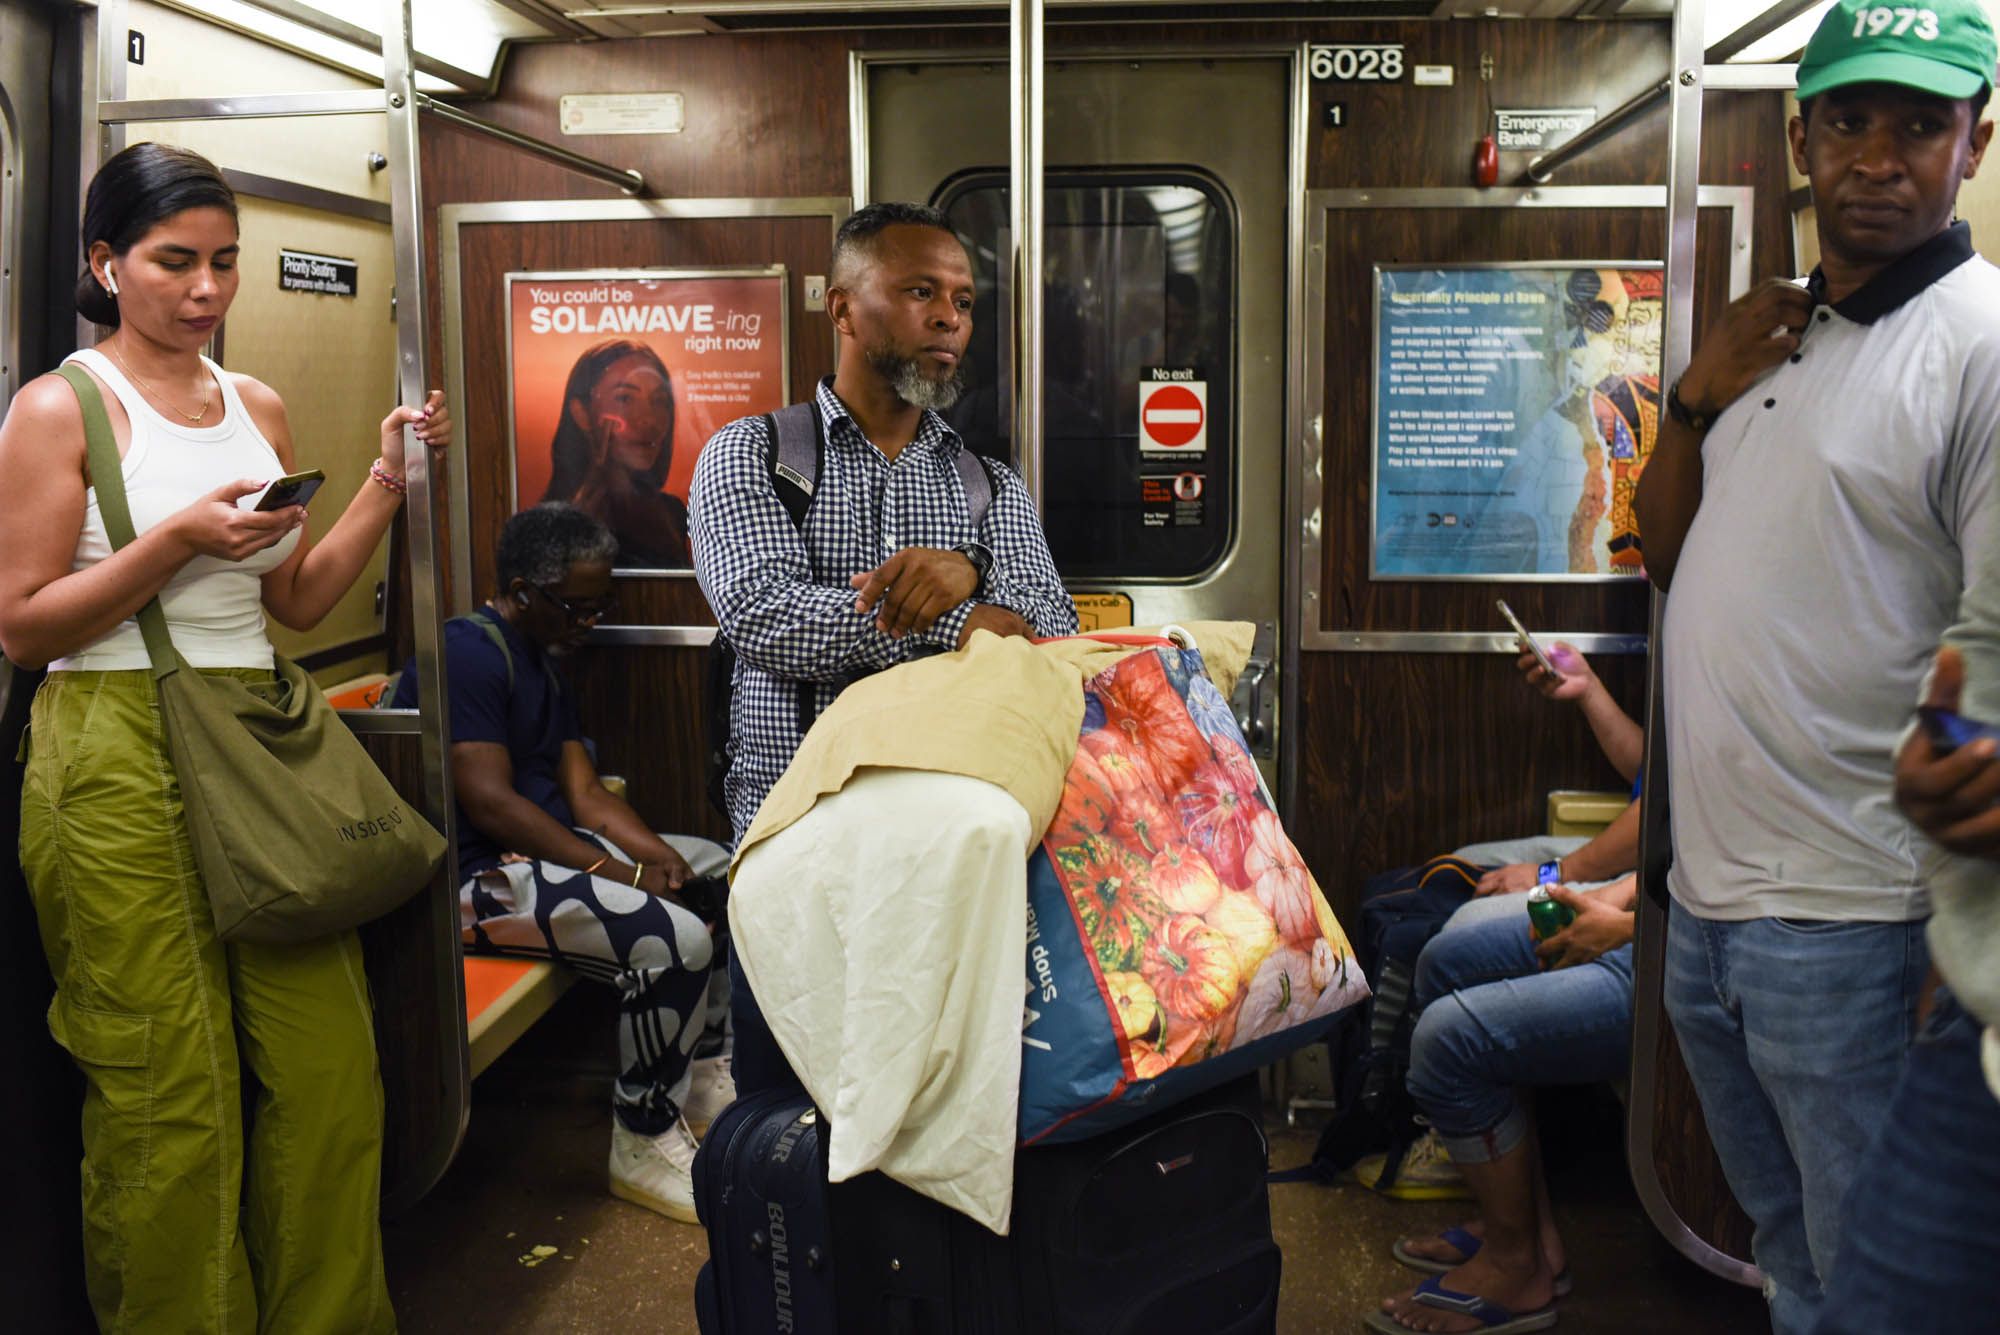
(1139, 273)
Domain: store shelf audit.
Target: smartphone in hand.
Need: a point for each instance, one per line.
(1949, 731)
(1527, 640)
(291, 489)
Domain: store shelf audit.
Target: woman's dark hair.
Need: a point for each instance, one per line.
(569, 452)
(139, 188)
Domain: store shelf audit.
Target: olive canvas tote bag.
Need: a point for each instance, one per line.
(296, 833)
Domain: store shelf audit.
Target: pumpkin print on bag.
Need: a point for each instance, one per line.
(1184, 881)
(1191, 968)
(1142, 707)
(1217, 817)
(1203, 928)
(1113, 897)
(1087, 804)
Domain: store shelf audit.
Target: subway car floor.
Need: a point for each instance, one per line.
(521, 1235)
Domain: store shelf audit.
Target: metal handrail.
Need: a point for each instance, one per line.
(625, 178)
(1542, 168)
(273, 105)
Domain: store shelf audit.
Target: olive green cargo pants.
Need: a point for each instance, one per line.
(185, 1229)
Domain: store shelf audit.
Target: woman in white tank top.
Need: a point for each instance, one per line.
(159, 1014)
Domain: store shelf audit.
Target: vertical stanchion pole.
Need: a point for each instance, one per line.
(1025, 264)
(1646, 1136)
(104, 34)
(406, 213)
(1684, 97)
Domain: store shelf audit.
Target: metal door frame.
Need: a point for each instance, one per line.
(1307, 445)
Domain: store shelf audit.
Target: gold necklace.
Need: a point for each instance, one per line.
(191, 417)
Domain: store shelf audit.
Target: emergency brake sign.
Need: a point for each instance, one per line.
(1173, 412)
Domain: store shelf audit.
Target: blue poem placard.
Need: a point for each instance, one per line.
(1514, 410)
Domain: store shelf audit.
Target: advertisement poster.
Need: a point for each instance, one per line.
(1514, 409)
(617, 379)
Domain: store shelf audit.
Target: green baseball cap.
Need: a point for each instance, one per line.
(1945, 47)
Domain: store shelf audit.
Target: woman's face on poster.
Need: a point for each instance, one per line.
(633, 406)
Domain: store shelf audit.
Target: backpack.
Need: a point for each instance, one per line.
(1401, 911)
(795, 448)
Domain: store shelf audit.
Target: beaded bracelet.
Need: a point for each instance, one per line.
(391, 481)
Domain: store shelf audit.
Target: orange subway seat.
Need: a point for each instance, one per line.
(502, 998)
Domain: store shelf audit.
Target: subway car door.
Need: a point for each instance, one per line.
(1164, 276)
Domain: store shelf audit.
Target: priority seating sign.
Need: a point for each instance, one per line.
(1173, 412)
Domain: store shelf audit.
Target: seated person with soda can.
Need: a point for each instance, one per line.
(1502, 1005)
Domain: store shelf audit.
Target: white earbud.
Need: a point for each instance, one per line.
(521, 598)
(110, 281)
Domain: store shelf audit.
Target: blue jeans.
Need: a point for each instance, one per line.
(1794, 1033)
(1921, 1233)
(1491, 1021)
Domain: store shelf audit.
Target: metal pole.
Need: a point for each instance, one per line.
(406, 212)
(406, 209)
(1766, 23)
(260, 105)
(1650, 936)
(625, 178)
(103, 60)
(1543, 167)
(1025, 195)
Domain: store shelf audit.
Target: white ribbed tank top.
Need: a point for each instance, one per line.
(214, 608)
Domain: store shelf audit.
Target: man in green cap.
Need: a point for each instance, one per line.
(1820, 496)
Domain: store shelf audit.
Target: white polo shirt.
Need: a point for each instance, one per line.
(1844, 495)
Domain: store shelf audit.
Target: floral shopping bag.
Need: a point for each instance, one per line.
(1175, 937)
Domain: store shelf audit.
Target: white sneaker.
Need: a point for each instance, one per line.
(655, 1171)
(1426, 1173)
(711, 1089)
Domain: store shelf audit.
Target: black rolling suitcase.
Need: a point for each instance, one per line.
(760, 1189)
(1161, 1227)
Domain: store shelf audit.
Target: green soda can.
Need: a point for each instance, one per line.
(1547, 916)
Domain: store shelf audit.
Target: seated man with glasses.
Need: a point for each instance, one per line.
(554, 865)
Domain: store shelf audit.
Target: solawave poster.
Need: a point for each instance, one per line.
(618, 378)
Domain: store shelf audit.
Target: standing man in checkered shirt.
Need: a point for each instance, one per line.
(888, 564)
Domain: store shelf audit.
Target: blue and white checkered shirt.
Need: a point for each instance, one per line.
(781, 595)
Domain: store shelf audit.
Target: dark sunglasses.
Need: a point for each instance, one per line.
(579, 614)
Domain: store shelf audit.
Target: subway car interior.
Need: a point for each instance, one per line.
(1336, 322)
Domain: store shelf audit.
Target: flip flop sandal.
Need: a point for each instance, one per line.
(1468, 1247)
(1492, 1317)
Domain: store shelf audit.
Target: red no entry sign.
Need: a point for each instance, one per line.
(1173, 416)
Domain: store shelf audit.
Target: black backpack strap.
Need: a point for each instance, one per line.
(978, 483)
(797, 447)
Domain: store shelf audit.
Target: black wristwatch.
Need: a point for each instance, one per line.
(982, 561)
(1678, 410)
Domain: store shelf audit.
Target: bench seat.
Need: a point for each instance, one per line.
(502, 998)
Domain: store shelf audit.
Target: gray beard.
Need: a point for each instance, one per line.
(906, 376)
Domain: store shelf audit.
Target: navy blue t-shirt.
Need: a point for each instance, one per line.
(533, 721)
